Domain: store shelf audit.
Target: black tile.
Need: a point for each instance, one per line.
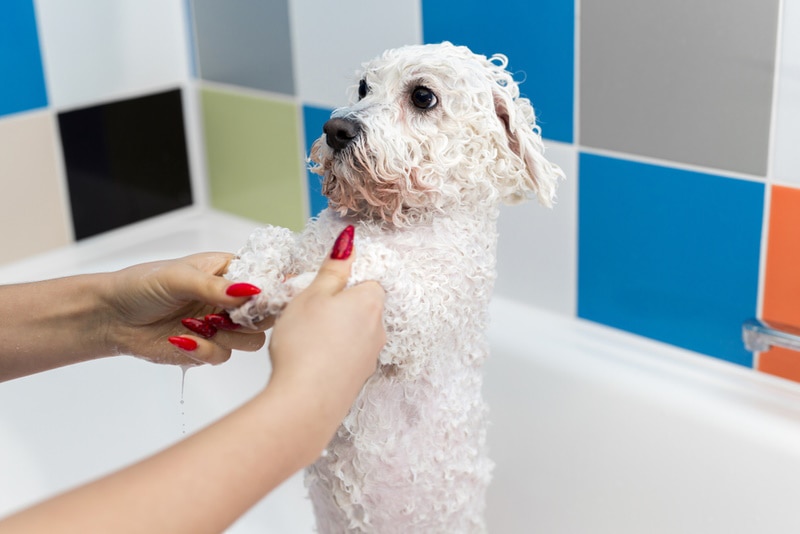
(126, 161)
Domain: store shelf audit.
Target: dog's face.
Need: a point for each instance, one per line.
(432, 128)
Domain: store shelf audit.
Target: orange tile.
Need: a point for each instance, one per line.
(782, 278)
(780, 362)
(782, 282)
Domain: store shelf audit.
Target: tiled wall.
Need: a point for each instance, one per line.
(92, 118)
(676, 123)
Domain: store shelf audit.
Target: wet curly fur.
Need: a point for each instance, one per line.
(422, 184)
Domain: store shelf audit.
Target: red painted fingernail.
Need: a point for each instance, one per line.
(183, 343)
(222, 321)
(242, 289)
(199, 327)
(343, 246)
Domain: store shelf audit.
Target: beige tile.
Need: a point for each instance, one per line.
(33, 199)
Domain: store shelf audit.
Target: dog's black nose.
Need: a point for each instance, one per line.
(340, 132)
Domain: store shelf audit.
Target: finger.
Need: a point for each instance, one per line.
(266, 323)
(221, 328)
(198, 277)
(199, 350)
(369, 298)
(335, 270)
(222, 321)
(248, 342)
(371, 290)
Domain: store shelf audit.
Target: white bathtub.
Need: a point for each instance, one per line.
(593, 430)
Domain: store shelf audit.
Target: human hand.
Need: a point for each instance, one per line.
(147, 304)
(326, 342)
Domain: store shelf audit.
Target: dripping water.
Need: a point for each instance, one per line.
(184, 368)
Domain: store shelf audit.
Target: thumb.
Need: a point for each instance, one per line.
(199, 277)
(335, 270)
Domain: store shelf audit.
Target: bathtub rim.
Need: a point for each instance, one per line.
(741, 399)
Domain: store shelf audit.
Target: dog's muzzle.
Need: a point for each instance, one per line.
(339, 133)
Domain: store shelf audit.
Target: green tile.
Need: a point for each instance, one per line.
(254, 157)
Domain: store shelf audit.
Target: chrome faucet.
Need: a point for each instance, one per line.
(759, 335)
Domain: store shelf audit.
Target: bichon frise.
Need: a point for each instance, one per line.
(436, 138)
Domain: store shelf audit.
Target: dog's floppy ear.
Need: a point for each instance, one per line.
(525, 142)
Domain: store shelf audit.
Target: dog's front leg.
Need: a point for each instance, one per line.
(266, 261)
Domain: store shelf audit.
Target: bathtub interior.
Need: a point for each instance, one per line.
(593, 430)
(599, 431)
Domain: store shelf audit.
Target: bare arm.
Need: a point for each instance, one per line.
(133, 311)
(323, 348)
(50, 324)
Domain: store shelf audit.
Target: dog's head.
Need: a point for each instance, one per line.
(432, 128)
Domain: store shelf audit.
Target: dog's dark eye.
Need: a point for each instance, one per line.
(423, 98)
(363, 89)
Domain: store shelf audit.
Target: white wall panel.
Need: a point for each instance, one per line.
(786, 156)
(332, 39)
(537, 250)
(99, 50)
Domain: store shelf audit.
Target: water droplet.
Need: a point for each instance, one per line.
(184, 368)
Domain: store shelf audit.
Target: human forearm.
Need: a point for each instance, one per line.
(324, 346)
(202, 484)
(132, 311)
(52, 323)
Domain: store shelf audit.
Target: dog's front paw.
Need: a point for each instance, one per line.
(272, 302)
(263, 261)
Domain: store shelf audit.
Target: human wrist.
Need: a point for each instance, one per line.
(99, 315)
(90, 314)
(313, 414)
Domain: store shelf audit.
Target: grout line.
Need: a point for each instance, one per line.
(121, 96)
(671, 164)
(301, 145)
(43, 55)
(247, 91)
(192, 47)
(770, 178)
(291, 13)
(300, 105)
(576, 75)
(63, 180)
(762, 263)
(776, 78)
(194, 134)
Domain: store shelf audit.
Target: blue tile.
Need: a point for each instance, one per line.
(669, 254)
(22, 87)
(313, 119)
(537, 37)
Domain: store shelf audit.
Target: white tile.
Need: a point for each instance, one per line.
(99, 50)
(332, 39)
(786, 157)
(537, 249)
(33, 203)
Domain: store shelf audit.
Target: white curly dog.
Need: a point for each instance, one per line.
(435, 139)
